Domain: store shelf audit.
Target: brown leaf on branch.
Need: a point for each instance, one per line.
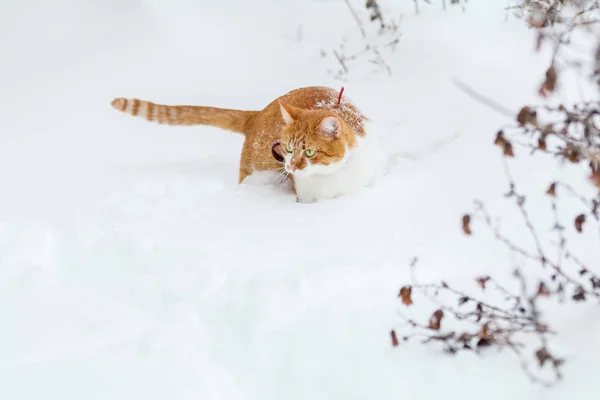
(542, 143)
(595, 178)
(579, 220)
(527, 116)
(500, 140)
(482, 280)
(552, 190)
(542, 356)
(543, 290)
(405, 295)
(436, 320)
(508, 150)
(579, 294)
(549, 84)
(485, 332)
(504, 144)
(466, 224)
(571, 153)
(395, 342)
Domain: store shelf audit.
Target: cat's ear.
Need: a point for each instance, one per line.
(331, 127)
(288, 113)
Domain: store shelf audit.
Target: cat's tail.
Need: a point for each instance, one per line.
(231, 120)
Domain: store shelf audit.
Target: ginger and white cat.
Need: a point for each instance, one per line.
(312, 134)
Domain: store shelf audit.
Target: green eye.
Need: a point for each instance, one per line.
(309, 152)
(288, 148)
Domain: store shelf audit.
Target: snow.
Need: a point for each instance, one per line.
(132, 264)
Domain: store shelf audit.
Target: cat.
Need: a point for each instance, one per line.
(312, 135)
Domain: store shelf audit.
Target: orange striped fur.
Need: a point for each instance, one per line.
(232, 120)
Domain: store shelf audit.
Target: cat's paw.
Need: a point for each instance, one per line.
(306, 200)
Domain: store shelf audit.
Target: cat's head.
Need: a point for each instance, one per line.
(314, 141)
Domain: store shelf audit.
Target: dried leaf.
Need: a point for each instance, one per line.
(482, 280)
(500, 141)
(542, 143)
(552, 190)
(557, 362)
(543, 290)
(508, 149)
(463, 300)
(574, 156)
(527, 116)
(595, 178)
(395, 342)
(405, 295)
(466, 224)
(571, 153)
(549, 84)
(579, 220)
(484, 333)
(436, 320)
(579, 294)
(483, 342)
(542, 356)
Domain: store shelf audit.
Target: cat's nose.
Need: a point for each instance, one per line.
(292, 168)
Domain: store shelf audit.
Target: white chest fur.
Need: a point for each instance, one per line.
(364, 165)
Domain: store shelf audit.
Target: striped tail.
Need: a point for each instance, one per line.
(231, 120)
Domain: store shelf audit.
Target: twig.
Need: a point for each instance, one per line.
(342, 63)
(483, 99)
(356, 18)
(520, 201)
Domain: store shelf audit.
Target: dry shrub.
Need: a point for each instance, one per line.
(512, 317)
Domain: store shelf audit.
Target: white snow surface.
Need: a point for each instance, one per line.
(132, 264)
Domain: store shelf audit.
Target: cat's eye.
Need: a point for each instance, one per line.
(309, 152)
(288, 148)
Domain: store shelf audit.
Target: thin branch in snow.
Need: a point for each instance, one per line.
(483, 99)
(356, 18)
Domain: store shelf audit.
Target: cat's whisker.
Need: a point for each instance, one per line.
(285, 176)
(282, 176)
(276, 180)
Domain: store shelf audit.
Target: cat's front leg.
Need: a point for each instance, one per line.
(304, 191)
(305, 201)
